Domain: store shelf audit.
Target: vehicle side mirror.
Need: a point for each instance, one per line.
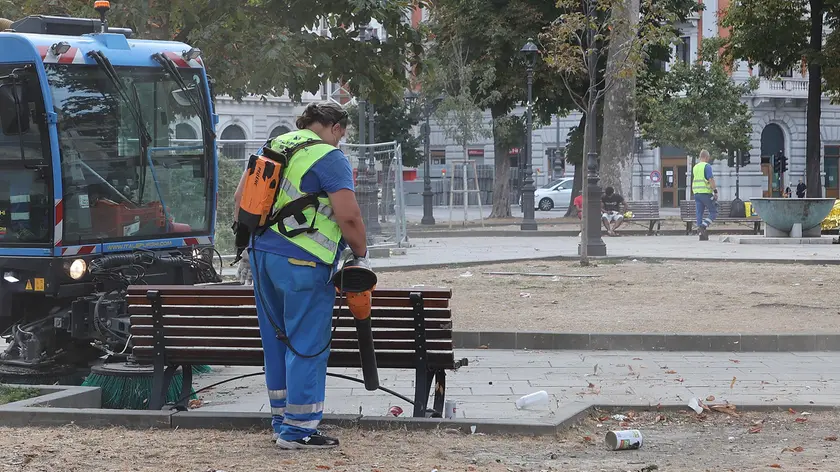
(14, 109)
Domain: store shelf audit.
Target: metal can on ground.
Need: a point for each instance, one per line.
(624, 440)
(450, 409)
(395, 411)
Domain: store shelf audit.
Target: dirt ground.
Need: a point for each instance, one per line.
(638, 297)
(677, 441)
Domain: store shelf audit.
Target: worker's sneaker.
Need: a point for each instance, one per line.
(314, 441)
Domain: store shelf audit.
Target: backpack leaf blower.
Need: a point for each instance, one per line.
(355, 281)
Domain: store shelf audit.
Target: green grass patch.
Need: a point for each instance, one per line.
(16, 394)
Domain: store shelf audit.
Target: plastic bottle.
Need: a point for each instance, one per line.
(532, 399)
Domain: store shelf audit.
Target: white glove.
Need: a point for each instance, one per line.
(362, 261)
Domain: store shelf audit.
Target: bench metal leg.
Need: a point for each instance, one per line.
(687, 229)
(161, 375)
(421, 362)
(440, 390)
(650, 228)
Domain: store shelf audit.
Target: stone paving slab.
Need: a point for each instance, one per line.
(489, 386)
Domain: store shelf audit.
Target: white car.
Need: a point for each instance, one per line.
(556, 194)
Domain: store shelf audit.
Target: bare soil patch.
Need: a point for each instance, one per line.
(638, 297)
(673, 442)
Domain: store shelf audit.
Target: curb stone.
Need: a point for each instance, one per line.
(647, 342)
(565, 417)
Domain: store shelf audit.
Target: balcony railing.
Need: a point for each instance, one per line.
(783, 87)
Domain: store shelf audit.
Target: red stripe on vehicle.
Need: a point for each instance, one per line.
(68, 57)
(191, 241)
(179, 61)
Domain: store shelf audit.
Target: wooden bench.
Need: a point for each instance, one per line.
(182, 326)
(688, 214)
(645, 211)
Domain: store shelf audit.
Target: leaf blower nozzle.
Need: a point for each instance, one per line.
(356, 282)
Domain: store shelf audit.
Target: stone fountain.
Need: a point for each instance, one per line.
(792, 217)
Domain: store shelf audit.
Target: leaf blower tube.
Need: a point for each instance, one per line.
(356, 282)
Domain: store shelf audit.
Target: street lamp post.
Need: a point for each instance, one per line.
(528, 221)
(591, 242)
(428, 107)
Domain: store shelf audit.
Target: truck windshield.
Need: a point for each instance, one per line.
(112, 189)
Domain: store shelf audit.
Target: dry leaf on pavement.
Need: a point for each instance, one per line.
(755, 430)
(710, 398)
(775, 466)
(732, 384)
(670, 371)
(801, 420)
(831, 438)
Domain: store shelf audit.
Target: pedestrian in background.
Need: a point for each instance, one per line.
(705, 194)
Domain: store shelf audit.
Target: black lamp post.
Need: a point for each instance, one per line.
(528, 222)
(428, 107)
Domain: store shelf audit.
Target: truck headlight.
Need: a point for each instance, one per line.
(77, 269)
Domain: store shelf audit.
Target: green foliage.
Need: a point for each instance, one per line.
(509, 131)
(773, 33)
(16, 394)
(260, 46)
(392, 122)
(695, 106)
(578, 42)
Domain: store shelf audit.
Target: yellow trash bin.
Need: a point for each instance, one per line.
(748, 209)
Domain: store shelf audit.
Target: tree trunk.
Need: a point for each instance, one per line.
(580, 172)
(501, 177)
(620, 108)
(812, 132)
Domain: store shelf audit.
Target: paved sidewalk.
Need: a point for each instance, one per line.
(476, 248)
(490, 385)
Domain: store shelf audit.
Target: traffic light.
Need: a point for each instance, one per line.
(745, 158)
(777, 163)
(783, 161)
(730, 160)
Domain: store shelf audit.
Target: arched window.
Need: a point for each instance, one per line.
(235, 149)
(185, 131)
(277, 131)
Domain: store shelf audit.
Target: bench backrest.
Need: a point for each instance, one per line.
(688, 209)
(644, 209)
(218, 323)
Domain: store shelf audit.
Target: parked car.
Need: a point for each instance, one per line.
(556, 194)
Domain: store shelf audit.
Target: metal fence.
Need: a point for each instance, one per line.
(378, 174)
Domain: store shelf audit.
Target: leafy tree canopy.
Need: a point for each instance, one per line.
(696, 106)
(263, 47)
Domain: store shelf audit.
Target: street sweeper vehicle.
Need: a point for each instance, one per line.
(96, 192)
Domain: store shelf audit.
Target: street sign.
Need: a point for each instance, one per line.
(655, 176)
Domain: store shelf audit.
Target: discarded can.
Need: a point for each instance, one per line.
(450, 408)
(395, 411)
(624, 440)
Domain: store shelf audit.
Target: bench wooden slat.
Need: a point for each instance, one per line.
(343, 322)
(252, 321)
(249, 356)
(346, 344)
(232, 312)
(253, 332)
(241, 290)
(237, 300)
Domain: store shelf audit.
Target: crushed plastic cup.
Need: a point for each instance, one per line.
(695, 405)
(532, 399)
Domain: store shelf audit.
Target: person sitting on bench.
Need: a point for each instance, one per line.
(611, 215)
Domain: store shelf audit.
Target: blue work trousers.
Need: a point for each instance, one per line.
(704, 202)
(299, 297)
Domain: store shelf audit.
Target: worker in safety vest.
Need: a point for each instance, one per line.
(292, 275)
(705, 193)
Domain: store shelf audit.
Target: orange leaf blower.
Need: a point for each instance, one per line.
(356, 282)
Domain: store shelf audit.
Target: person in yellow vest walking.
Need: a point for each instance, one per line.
(292, 266)
(705, 194)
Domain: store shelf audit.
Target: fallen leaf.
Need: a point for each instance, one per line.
(630, 367)
(603, 418)
(801, 420)
(735, 361)
(659, 418)
(591, 385)
(680, 379)
(728, 409)
(323, 467)
(340, 463)
(670, 371)
(775, 466)
(624, 424)
(637, 358)
(631, 414)
(195, 403)
(710, 398)
(732, 384)
(798, 449)
(755, 430)
(791, 411)
(831, 438)
(587, 438)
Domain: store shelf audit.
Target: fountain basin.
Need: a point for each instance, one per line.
(784, 214)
